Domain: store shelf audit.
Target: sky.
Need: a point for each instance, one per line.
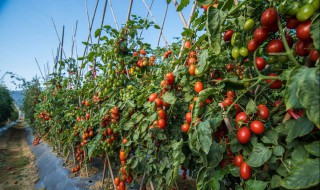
(27, 31)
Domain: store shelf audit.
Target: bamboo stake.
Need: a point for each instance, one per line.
(154, 20)
(39, 68)
(104, 170)
(73, 38)
(146, 18)
(129, 10)
(142, 181)
(164, 19)
(151, 185)
(183, 20)
(88, 17)
(55, 28)
(62, 43)
(114, 18)
(110, 170)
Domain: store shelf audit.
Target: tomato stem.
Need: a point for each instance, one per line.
(285, 43)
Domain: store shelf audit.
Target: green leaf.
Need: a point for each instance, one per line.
(169, 98)
(313, 148)
(205, 2)
(156, 26)
(298, 128)
(168, 1)
(259, 155)
(299, 153)
(251, 107)
(315, 33)
(97, 32)
(203, 64)
(94, 144)
(183, 4)
(290, 95)
(270, 137)
(309, 93)
(278, 150)
(227, 5)
(275, 181)
(215, 21)
(303, 175)
(204, 136)
(215, 154)
(255, 185)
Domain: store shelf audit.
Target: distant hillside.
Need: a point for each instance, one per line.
(18, 97)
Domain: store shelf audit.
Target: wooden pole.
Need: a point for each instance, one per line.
(55, 28)
(104, 170)
(39, 68)
(129, 10)
(164, 19)
(114, 18)
(110, 170)
(146, 17)
(183, 20)
(61, 48)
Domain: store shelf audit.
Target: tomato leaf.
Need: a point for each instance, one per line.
(255, 185)
(313, 148)
(270, 137)
(259, 155)
(183, 4)
(315, 33)
(169, 98)
(309, 93)
(298, 128)
(94, 144)
(278, 150)
(204, 135)
(215, 154)
(205, 2)
(275, 181)
(203, 64)
(299, 153)
(97, 32)
(251, 107)
(303, 175)
(215, 22)
(290, 95)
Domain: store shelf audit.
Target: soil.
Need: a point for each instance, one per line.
(18, 169)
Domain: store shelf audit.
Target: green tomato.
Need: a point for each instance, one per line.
(248, 25)
(109, 65)
(271, 59)
(277, 66)
(282, 59)
(196, 71)
(305, 12)
(294, 8)
(234, 39)
(235, 52)
(244, 52)
(315, 3)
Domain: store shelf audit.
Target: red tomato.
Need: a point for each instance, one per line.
(260, 63)
(260, 34)
(185, 127)
(162, 114)
(300, 48)
(116, 181)
(122, 186)
(227, 102)
(257, 127)
(314, 55)
(227, 35)
(189, 117)
(122, 155)
(205, 7)
(289, 40)
(263, 112)
(142, 52)
(244, 135)
(129, 179)
(192, 69)
(198, 87)
(162, 123)
(274, 46)
(303, 30)
(274, 84)
(245, 171)
(192, 61)
(238, 160)
(152, 97)
(242, 117)
(269, 17)
(229, 67)
(169, 78)
(187, 44)
(231, 94)
(292, 23)
(252, 45)
(158, 102)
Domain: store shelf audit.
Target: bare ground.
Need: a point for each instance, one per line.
(17, 163)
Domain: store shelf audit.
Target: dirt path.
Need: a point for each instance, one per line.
(17, 164)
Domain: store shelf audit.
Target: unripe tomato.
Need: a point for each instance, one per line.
(263, 112)
(242, 117)
(245, 171)
(185, 127)
(252, 45)
(248, 25)
(274, 84)
(289, 8)
(315, 3)
(238, 160)
(269, 17)
(260, 34)
(235, 52)
(305, 12)
(198, 86)
(271, 59)
(244, 51)
(303, 30)
(227, 35)
(260, 63)
(244, 135)
(257, 127)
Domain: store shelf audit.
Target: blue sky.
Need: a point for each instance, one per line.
(27, 32)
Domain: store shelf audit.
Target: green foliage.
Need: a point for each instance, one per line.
(8, 110)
